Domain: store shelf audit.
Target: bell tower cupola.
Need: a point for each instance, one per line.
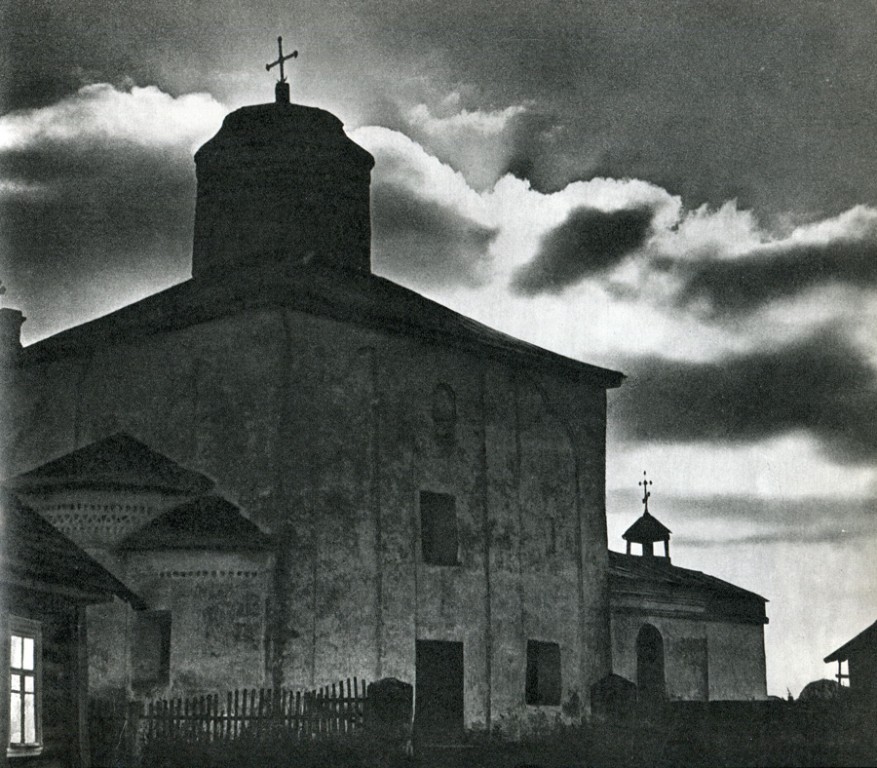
(648, 529)
(281, 186)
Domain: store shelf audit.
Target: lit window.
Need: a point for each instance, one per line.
(438, 528)
(543, 673)
(24, 684)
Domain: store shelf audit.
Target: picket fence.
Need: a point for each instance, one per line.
(332, 709)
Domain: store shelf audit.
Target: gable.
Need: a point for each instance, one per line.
(208, 522)
(119, 461)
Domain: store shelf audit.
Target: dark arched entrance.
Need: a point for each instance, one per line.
(650, 664)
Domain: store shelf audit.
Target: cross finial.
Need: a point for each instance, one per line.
(281, 89)
(280, 59)
(645, 483)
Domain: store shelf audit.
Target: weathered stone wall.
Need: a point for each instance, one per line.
(217, 603)
(325, 433)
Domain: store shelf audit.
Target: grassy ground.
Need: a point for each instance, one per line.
(714, 736)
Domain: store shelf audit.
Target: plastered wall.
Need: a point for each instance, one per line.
(324, 434)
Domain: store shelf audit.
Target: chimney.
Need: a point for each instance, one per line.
(10, 334)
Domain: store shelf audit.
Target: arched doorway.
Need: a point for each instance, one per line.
(650, 664)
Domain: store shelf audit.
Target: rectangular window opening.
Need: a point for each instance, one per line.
(25, 685)
(151, 648)
(543, 683)
(438, 528)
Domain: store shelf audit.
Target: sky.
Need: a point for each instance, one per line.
(685, 191)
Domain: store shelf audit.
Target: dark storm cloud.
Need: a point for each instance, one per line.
(420, 240)
(765, 520)
(821, 385)
(92, 218)
(771, 103)
(589, 242)
(752, 281)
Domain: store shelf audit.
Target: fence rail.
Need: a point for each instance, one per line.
(332, 709)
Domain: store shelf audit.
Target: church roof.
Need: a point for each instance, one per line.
(208, 522)
(35, 554)
(647, 529)
(631, 573)
(116, 461)
(344, 295)
(865, 640)
(275, 128)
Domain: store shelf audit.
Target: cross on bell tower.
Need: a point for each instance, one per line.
(281, 89)
(645, 483)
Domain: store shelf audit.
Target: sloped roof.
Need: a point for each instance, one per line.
(208, 522)
(35, 554)
(660, 570)
(719, 599)
(866, 639)
(345, 295)
(647, 529)
(116, 461)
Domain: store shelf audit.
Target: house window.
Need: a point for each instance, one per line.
(438, 528)
(151, 648)
(543, 673)
(25, 649)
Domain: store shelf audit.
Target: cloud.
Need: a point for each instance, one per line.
(416, 239)
(97, 198)
(791, 467)
(821, 385)
(100, 114)
(729, 517)
(481, 122)
(839, 251)
(589, 242)
(477, 142)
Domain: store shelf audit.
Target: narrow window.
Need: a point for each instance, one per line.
(543, 673)
(438, 528)
(444, 415)
(25, 651)
(151, 649)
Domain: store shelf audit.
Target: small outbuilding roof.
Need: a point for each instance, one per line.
(647, 529)
(866, 639)
(36, 555)
(116, 461)
(208, 522)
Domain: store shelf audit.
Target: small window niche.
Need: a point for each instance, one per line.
(151, 648)
(438, 528)
(444, 415)
(543, 673)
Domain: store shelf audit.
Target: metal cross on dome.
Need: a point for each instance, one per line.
(280, 59)
(645, 483)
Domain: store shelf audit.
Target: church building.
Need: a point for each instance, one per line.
(309, 472)
(680, 634)
(306, 473)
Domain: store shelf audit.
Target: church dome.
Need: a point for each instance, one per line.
(281, 186)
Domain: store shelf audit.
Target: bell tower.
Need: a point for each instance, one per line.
(281, 187)
(648, 529)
